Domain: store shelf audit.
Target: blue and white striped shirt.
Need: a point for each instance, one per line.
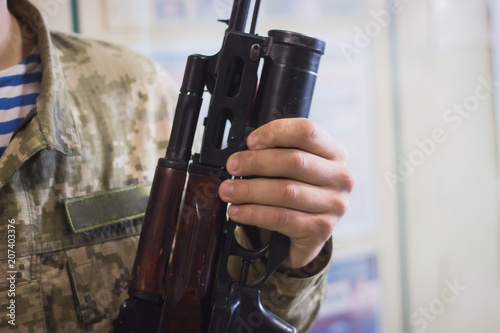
(20, 86)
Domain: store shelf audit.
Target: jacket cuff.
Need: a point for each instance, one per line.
(291, 282)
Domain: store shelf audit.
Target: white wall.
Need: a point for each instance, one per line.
(57, 13)
(451, 197)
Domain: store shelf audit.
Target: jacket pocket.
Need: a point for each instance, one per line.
(89, 295)
(99, 275)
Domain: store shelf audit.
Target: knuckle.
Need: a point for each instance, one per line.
(349, 180)
(280, 125)
(267, 136)
(341, 204)
(290, 192)
(244, 189)
(308, 128)
(283, 217)
(251, 213)
(254, 161)
(296, 160)
(248, 160)
(345, 179)
(325, 226)
(344, 205)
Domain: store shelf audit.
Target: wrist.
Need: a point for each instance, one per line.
(314, 267)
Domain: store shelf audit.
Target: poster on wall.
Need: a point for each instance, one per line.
(170, 9)
(124, 15)
(353, 303)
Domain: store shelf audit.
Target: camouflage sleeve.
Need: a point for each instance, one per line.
(294, 295)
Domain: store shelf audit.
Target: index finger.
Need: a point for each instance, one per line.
(300, 133)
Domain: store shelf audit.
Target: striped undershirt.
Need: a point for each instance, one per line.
(20, 85)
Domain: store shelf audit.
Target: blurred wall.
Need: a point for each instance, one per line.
(448, 165)
(57, 13)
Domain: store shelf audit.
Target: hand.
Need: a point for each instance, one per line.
(307, 200)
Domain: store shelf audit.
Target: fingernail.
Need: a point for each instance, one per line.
(252, 140)
(233, 210)
(233, 164)
(227, 189)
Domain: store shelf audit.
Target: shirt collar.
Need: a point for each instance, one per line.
(52, 126)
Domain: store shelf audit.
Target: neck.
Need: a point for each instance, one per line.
(14, 47)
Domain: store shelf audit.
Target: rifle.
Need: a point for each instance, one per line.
(186, 286)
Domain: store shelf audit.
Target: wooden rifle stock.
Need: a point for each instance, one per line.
(191, 279)
(141, 312)
(158, 232)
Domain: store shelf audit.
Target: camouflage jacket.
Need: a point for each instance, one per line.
(69, 183)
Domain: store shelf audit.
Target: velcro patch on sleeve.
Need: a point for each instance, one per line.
(105, 208)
